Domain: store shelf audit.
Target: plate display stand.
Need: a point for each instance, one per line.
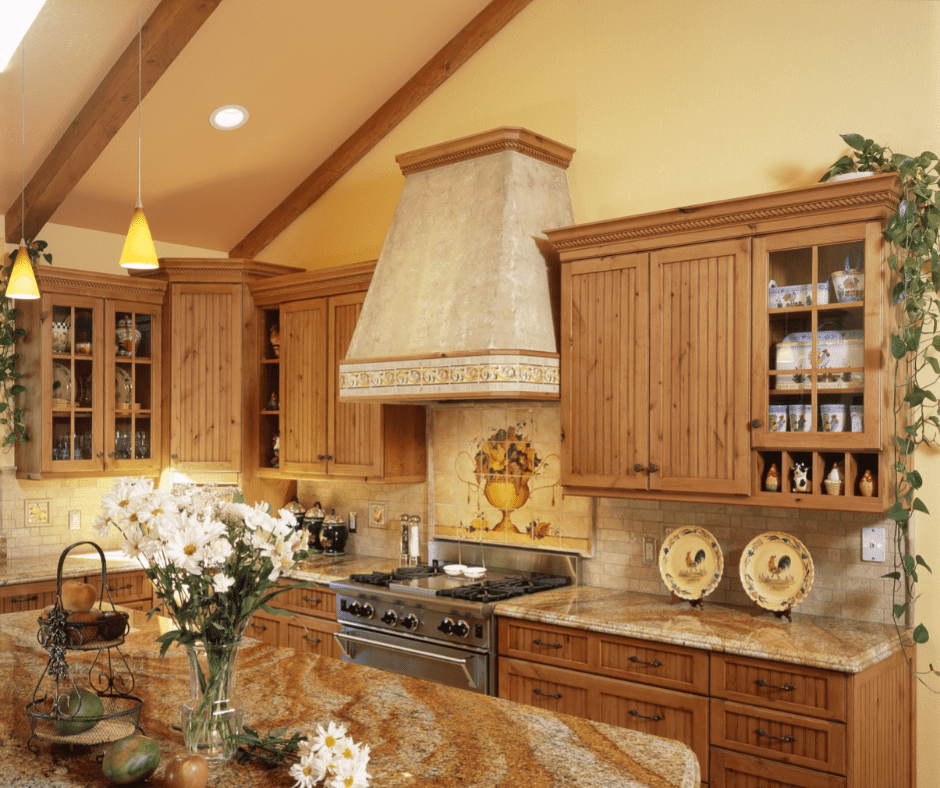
(109, 678)
(699, 602)
(786, 613)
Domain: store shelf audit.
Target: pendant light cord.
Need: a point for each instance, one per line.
(140, 36)
(23, 145)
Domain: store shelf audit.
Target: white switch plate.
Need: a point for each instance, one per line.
(873, 544)
(649, 550)
(75, 520)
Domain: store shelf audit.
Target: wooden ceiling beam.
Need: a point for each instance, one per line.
(164, 35)
(431, 76)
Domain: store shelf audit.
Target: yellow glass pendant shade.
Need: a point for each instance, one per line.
(22, 282)
(139, 251)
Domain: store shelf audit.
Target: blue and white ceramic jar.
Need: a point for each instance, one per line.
(778, 418)
(801, 417)
(832, 418)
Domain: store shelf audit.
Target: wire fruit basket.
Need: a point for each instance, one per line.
(111, 712)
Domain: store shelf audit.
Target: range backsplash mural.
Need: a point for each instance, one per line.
(496, 478)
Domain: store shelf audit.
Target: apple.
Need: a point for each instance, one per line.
(189, 772)
(78, 596)
(81, 635)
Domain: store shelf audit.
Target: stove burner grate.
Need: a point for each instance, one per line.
(507, 588)
(384, 579)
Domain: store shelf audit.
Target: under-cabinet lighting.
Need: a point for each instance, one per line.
(15, 18)
(228, 117)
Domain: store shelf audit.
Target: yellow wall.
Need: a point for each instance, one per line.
(674, 103)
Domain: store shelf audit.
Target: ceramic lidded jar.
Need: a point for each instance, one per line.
(295, 508)
(313, 520)
(334, 534)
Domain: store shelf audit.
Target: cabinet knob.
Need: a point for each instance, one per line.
(101, 454)
(174, 456)
(756, 424)
(638, 468)
(653, 468)
(111, 454)
(321, 457)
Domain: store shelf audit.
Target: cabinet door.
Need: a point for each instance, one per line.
(605, 372)
(699, 368)
(304, 386)
(355, 429)
(311, 636)
(132, 387)
(205, 393)
(267, 628)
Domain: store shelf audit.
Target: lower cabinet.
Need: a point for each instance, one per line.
(17, 597)
(128, 589)
(750, 722)
(310, 629)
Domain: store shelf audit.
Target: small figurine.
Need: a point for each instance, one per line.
(772, 480)
(835, 480)
(272, 402)
(276, 459)
(801, 480)
(867, 484)
(275, 337)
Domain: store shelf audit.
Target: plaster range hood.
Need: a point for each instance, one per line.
(463, 303)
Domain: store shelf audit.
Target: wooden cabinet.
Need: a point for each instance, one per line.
(128, 589)
(674, 358)
(313, 315)
(655, 370)
(212, 328)
(309, 630)
(92, 364)
(751, 722)
(17, 597)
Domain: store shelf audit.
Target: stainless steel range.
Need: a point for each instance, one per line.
(419, 621)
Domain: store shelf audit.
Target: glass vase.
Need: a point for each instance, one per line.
(212, 717)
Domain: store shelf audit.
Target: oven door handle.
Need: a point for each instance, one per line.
(341, 636)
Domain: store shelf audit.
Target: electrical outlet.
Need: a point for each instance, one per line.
(353, 525)
(873, 544)
(75, 520)
(649, 550)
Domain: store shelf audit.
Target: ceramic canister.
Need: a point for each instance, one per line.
(801, 417)
(858, 423)
(796, 295)
(835, 349)
(333, 535)
(832, 418)
(849, 286)
(778, 418)
(313, 520)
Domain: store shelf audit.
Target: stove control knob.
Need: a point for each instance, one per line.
(366, 610)
(355, 608)
(390, 617)
(461, 629)
(447, 626)
(410, 621)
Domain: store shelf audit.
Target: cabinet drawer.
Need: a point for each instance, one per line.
(125, 587)
(266, 628)
(659, 712)
(27, 596)
(780, 736)
(311, 601)
(310, 635)
(730, 770)
(543, 643)
(779, 686)
(672, 667)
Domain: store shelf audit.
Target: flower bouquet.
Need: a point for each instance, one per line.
(214, 563)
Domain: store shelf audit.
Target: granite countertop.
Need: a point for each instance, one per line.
(420, 734)
(819, 642)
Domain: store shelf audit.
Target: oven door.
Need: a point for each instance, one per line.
(464, 668)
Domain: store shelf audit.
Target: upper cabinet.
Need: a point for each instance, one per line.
(304, 431)
(92, 364)
(722, 352)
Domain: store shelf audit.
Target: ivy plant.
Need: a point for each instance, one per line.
(915, 342)
(11, 415)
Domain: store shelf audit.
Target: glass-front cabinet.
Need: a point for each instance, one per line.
(92, 361)
(818, 359)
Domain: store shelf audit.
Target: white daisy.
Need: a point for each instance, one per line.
(186, 546)
(329, 737)
(349, 774)
(221, 582)
(307, 773)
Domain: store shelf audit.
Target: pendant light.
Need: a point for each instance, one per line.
(139, 251)
(22, 282)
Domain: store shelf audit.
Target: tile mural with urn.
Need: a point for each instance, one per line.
(496, 479)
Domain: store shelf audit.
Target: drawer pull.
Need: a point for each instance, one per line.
(30, 598)
(541, 643)
(537, 691)
(788, 738)
(314, 600)
(310, 639)
(784, 687)
(654, 664)
(113, 589)
(262, 627)
(654, 718)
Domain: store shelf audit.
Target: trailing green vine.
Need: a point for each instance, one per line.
(11, 415)
(913, 231)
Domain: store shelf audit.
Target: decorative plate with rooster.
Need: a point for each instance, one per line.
(776, 570)
(690, 562)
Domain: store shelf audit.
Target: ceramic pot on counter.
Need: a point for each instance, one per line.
(313, 521)
(296, 509)
(334, 534)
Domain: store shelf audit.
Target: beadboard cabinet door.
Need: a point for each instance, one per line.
(205, 395)
(655, 353)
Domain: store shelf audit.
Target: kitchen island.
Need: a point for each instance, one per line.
(421, 734)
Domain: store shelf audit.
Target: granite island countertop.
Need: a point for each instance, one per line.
(816, 641)
(420, 734)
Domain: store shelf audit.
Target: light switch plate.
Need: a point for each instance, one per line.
(873, 544)
(75, 520)
(649, 550)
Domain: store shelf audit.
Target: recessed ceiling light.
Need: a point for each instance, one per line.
(229, 117)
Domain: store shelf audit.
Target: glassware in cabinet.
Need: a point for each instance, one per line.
(269, 423)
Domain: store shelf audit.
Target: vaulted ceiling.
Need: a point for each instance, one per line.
(323, 82)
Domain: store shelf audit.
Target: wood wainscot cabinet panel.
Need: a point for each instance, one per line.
(128, 589)
(310, 600)
(730, 770)
(704, 345)
(313, 316)
(266, 628)
(92, 361)
(310, 635)
(655, 370)
(18, 597)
